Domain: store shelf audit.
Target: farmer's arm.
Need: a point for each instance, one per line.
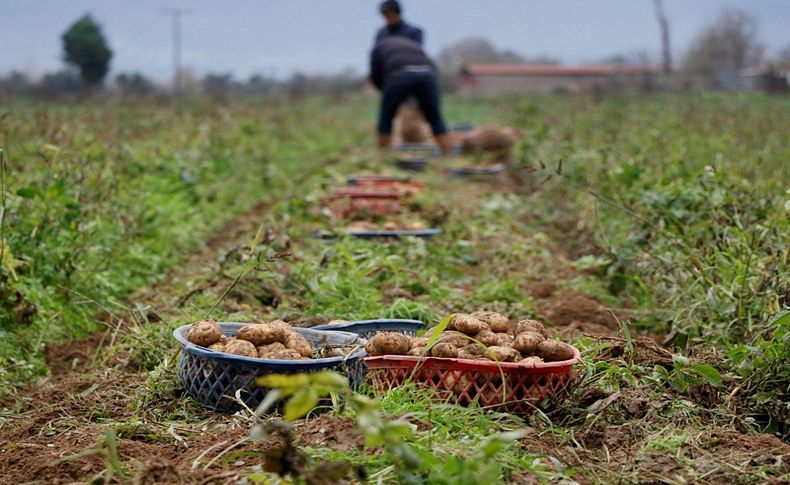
(376, 69)
(417, 35)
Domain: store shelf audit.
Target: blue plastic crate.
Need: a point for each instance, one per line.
(473, 171)
(415, 164)
(212, 378)
(382, 234)
(368, 328)
(429, 149)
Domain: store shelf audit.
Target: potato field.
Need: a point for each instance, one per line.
(651, 234)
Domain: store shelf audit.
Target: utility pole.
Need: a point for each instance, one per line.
(663, 25)
(176, 14)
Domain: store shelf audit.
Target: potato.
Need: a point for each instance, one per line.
(504, 340)
(531, 360)
(284, 326)
(262, 334)
(468, 324)
(554, 350)
(471, 351)
(418, 342)
(487, 338)
(388, 343)
(444, 350)
(285, 354)
(267, 349)
(240, 347)
(503, 354)
(456, 339)
(297, 341)
(457, 382)
(529, 326)
(204, 333)
(416, 351)
(219, 345)
(527, 342)
(497, 321)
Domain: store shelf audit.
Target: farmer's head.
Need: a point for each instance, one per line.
(390, 9)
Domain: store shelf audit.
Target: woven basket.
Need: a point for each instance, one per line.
(464, 382)
(212, 378)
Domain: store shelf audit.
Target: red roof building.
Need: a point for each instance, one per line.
(532, 78)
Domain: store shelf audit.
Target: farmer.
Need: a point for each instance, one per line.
(391, 10)
(399, 69)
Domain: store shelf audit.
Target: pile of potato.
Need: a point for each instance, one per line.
(522, 341)
(273, 340)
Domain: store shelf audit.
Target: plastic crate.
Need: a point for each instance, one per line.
(368, 328)
(428, 149)
(476, 171)
(350, 201)
(463, 127)
(420, 233)
(415, 164)
(362, 192)
(401, 185)
(212, 378)
(464, 382)
(363, 179)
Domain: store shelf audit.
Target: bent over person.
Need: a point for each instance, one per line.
(400, 69)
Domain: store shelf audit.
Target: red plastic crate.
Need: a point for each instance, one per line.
(348, 202)
(365, 193)
(466, 381)
(400, 186)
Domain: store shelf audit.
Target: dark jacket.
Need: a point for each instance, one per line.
(392, 54)
(401, 29)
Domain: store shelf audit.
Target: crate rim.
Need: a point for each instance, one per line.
(378, 178)
(341, 326)
(187, 346)
(421, 233)
(407, 361)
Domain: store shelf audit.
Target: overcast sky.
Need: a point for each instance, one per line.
(282, 36)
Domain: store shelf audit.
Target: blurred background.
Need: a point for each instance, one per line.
(51, 47)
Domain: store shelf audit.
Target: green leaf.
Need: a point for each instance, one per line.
(287, 383)
(27, 192)
(680, 360)
(58, 188)
(437, 331)
(780, 318)
(330, 381)
(302, 402)
(710, 374)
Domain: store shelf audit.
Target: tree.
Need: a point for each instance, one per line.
(16, 83)
(728, 45)
(134, 83)
(474, 49)
(60, 83)
(85, 48)
(471, 50)
(219, 85)
(783, 58)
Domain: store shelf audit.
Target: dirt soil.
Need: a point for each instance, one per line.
(578, 311)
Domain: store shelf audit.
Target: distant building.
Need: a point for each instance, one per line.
(772, 79)
(533, 78)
